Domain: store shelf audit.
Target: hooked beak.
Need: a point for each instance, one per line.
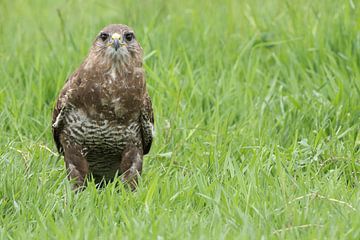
(117, 41)
(116, 44)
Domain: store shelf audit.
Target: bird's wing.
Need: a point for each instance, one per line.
(59, 110)
(147, 124)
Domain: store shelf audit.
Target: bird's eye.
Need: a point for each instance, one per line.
(129, 36)
(103, 36)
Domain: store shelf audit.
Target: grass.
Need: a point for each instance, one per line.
(257, 115)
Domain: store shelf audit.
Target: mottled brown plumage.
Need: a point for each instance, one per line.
(103, 118)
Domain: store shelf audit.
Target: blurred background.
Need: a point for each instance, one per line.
(257, 97)
(228, 60)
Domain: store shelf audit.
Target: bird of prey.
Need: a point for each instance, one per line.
(103, 119)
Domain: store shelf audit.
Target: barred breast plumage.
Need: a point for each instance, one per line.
(103, 120)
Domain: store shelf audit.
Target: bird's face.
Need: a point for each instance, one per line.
(117, 42)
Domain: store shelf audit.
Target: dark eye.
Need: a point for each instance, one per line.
(103, 36)
(129, 36)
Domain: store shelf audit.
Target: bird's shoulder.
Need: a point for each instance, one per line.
(71, 84)
(72, 81)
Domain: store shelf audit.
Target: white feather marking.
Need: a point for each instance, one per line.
(153, 132)
(72, 167)
(113, 73)
(58, 117)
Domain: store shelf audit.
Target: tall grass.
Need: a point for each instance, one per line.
(256, 108)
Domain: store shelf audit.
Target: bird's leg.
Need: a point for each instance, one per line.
(131, 165)
(76, 165)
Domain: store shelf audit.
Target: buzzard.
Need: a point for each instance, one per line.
(103, 119)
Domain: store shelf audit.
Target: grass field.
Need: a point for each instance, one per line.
(257, 110)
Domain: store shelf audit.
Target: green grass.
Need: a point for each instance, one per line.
(257, 110)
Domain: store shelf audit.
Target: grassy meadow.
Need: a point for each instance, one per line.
(257, 111)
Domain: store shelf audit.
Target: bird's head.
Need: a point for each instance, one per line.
(117, 43)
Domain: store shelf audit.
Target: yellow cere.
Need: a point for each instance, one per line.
(116, 36)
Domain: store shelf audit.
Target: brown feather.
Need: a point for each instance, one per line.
(105, 111)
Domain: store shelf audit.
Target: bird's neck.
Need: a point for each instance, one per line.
(104, 64)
